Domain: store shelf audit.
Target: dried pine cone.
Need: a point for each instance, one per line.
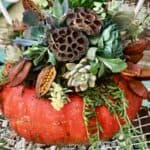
(85, 20)
(67, 44)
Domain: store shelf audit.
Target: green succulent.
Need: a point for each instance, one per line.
(79, 76)
(99, 9)
(110, 44)
(58, 96)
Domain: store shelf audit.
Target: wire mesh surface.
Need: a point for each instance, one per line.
(141, 123)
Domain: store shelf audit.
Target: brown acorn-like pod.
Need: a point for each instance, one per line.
(44, 80)
(136, 47)
(85, 20)
(67, 44)
(134, 58)
(21, 74)
(30, 5)
(138, 88)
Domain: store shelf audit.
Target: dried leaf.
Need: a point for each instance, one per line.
(20, 72)
(138, 88)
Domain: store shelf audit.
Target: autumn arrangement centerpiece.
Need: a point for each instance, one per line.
(71, 75)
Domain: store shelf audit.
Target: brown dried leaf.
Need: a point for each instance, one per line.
(16, 69)
(44, 80)
(134, 58)
(138, 88)
(136, 47)
(22, 74)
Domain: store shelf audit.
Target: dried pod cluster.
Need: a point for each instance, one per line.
(85, 20)
(68, 44)
(19, 72)
(44, 80)
(29, 5)
(134, 51)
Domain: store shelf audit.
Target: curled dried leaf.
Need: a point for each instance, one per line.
(44, 80)
(134, 58)
(16, 69)
(136, 47)
(138, 88)
(20, 74)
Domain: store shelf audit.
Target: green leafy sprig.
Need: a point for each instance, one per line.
(39, 54)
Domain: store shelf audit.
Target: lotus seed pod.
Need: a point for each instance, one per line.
(67, 44)
(85, 20)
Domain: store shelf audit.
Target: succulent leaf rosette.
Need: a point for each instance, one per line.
(66, 50)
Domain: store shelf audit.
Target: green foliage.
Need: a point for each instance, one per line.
(59, 10)
(99, 9)
(109, 44)
(30, 18)
(3, 79)
(115, 65)
(39, 54)
(98, 96)
(83, 3)
(2, 144)
(37, 32)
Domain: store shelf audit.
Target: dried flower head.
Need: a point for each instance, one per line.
(68, 44)
(85, 20)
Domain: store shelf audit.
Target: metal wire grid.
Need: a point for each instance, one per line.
(141, 123)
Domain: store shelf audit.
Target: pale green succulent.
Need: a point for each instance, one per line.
(42, 3)
(13, 54)
(98, 8)
(79, 76)
(58, 96)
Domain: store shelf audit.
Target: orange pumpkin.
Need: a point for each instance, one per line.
(37, 121)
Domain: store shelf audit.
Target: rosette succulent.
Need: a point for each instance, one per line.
(79, 76)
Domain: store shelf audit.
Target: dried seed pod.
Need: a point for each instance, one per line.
(138, 88)
(134, 58)
(30, 5)
(16, 69)
(136, 47)
(85, 20)
(68, 44)
(44, 80)
(21, 73)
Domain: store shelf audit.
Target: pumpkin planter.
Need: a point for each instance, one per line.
(36, 120)
(75, 79)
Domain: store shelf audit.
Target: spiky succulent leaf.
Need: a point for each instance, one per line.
(37, 32)
(30, 18)
(57, 9)
(110, 45)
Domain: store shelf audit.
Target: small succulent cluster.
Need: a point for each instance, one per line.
(79, 76)
(58, 96)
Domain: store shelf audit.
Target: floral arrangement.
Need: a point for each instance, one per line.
(76, 46)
